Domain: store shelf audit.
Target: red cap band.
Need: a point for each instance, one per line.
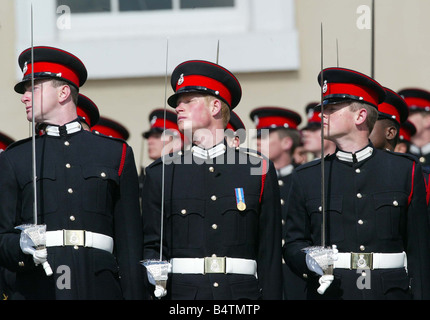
(417, 102)
(202, 81)
(273, 122)
(404, 135)
(57, 68)
(354, 90)
(159, 123)
(315, 117)
(389, 109)
(109, 131)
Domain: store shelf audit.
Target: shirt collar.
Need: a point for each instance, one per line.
(285, 171)
(66, 129)
(355, 157)
(210, 153)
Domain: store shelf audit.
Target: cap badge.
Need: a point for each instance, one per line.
(256, 120)
(25, 68)
(325, 87)
(310, 114)
(181, 79)
(154, 118)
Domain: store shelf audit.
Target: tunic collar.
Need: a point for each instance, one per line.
(66, 129)
(210, 153)
(420, 151)
(285, 171)
(355, 157)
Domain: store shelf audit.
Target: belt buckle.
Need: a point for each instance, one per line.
(361, 260)
(73, 237)
(214, 265)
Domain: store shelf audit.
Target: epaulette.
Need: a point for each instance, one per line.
(170, 157)
(405, 155)
(309, 164)
(109, 137)
(18, 142)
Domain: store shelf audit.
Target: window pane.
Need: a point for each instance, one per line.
(86, 6)
(191, 4)
(134, 5)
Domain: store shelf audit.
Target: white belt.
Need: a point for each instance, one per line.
(214, 265)
(79, 238)
(351, 260)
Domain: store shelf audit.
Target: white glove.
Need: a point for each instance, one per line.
(319, 261)
(325, 282)
(40, 256)
(159, 291)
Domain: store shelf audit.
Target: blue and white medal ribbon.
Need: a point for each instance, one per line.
(240, 199)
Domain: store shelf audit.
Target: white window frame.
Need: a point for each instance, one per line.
(255, 36)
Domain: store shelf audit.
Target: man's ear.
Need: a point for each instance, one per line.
(286, 143)
(216, 107)
(390, 133)
(361, 116)
(64, 93)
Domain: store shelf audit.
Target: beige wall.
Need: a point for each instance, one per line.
(401, 60)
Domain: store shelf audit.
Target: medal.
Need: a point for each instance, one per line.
(240, 199)
(241, 206)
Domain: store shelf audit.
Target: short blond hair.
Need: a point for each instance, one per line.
(225, 109)
(372, 113)
(74, 91)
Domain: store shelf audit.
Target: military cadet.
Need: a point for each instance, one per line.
(87, 111)
(222, 230)
(418, 101)
(278, 143)
(311, 133)
(87, 194)
(235, 131)
(155, 143)
(391, 114)
(375, 210)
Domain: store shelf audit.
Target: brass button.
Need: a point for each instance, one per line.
(103, 175)
(216, 284)
(214, 226)
(282, 202)
(362, 248)
(66, 143)
(395, 203)
(211, 169)
(213, 198)
(68, 166)
(359, 195)
(357, 170)
(72, 218)
(360, 221)
(183, 211)
(70, 190)
(281, 183)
